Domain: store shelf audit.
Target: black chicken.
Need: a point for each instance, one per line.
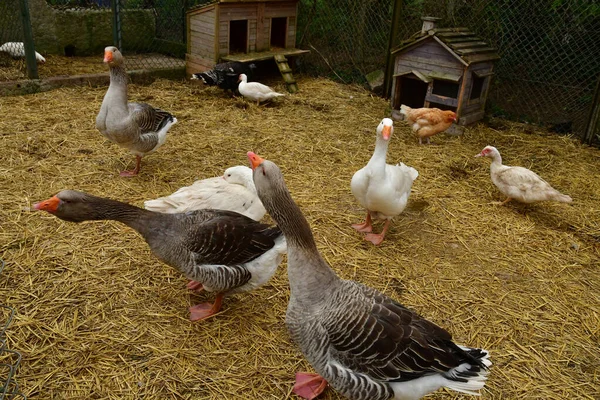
(225, 75)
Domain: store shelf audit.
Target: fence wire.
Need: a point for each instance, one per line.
(11, 32)
(9, 359)
(546, 75)
(549, 49)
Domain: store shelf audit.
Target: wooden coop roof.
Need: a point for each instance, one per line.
(463, 44)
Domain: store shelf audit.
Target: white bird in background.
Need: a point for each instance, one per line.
(256, 91)
(17, 50)
(520, 183)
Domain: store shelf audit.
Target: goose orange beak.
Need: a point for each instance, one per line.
(108, 56)
(386, 132)
(255, 160)
(49, 205)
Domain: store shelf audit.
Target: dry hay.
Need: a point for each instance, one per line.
(100, 317)
(56, 65)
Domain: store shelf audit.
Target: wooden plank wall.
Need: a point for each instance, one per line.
(202, 34)
(476, 104)
(279, 10)
(428, 57)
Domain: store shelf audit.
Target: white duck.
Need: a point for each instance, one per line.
(364, 344)
(520, 183)
(234, 191)
(138, 127)
(17, 50)
(381, 188)
(256, 91)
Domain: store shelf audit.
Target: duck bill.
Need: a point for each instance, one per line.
(49, 205)
(386, 132)
(479, 155)
(255, 160)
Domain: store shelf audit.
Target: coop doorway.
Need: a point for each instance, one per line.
(238, 36)
(410, 91)
(278, 32)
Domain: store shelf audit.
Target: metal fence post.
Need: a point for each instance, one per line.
(32, 71)
(116, 9)
(389, 60)
(593, 124)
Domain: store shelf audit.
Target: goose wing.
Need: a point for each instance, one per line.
(379, 337)
(148, 118)
(226, 237)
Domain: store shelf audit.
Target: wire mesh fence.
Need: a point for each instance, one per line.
(549, 49)
(9, 359)
(11, 33)
(546, 74)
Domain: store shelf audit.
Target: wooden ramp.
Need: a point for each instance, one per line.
(286, 72)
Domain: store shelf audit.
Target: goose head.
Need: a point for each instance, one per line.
(70, 205)
(112, 56)
(240, 175)
(268, 180)
(385, 128)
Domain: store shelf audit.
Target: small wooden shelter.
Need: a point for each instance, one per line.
(447, 68)
(242, 30)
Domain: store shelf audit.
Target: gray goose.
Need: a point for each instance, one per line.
(364, 344)
(138, 127)
(220, 251)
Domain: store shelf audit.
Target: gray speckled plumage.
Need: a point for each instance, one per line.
(138, 127)
(365, 344)
(213, 247)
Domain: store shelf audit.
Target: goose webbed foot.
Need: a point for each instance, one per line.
(364, 227)
(375, 238)
(205, 310)
(195, 286)
(308, 385)
(135, 171)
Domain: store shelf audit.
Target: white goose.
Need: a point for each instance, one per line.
(17, 50)
(381, 188)
(520, 183)
(256, 91)
(234, 191)
(138, 127)
(365, 344)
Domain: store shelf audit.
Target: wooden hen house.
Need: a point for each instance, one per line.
(447, 68)
(244, 31)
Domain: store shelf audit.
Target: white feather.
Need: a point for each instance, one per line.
(17, 50)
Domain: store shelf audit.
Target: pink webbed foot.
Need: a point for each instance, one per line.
(309, 386)
(374, 238)
(136, 170)
(205, 310)
(365, 226)
(128, 174)
(196, 286)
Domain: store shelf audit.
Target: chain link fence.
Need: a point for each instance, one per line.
(549, 49)
(546, 75)
(11, 32)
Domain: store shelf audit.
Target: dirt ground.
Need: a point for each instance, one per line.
(98, 317)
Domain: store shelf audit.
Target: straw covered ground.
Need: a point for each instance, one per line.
(100, 318)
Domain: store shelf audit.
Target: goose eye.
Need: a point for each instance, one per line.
(264, 173)
(228, 174)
